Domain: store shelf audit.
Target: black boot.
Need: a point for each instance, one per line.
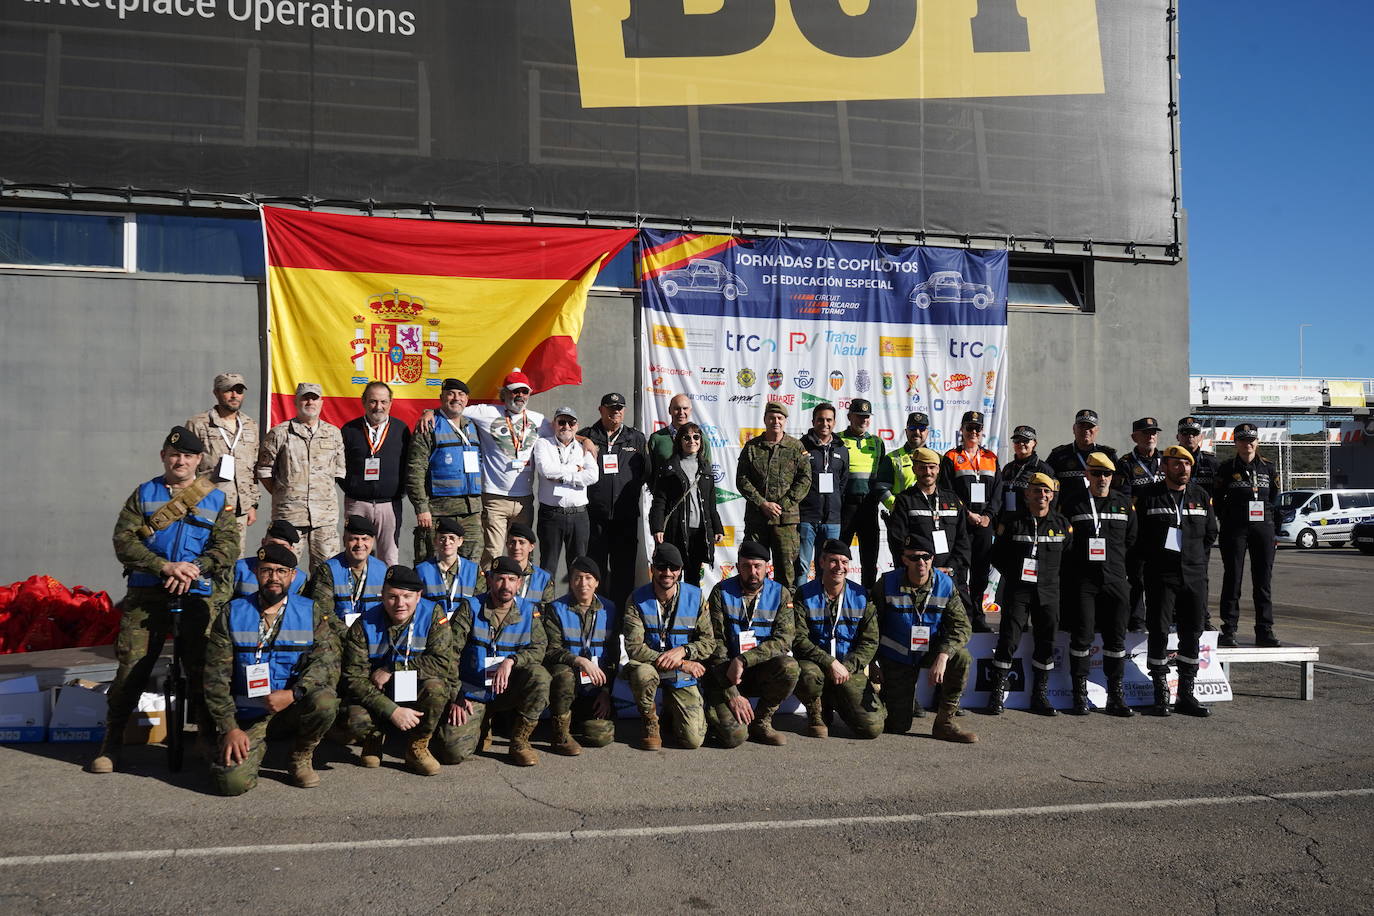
(1116, 699)
(1187, 704)
(1161, 681)
(997, 691)
(1040, 697)
(1081, 706)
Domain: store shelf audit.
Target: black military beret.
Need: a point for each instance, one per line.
(753, 550)
(283, 530)
(181, 439)
(919, 542)
(403, 577)
(836, 546)
(278, 554)
(585, 565)
(521, 530)
(455, 384)
(504, 566)
(449, 526)
(357, 524)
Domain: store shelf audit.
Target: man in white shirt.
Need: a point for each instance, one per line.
(564, 468)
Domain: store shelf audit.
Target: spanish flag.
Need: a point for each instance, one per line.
(410, 302)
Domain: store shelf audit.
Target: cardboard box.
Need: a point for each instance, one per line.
(148, 724)
(79, 707)
(64, 735)
(24, 716)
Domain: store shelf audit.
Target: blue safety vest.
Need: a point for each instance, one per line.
(464, 583)
(853, 603)
(765, 611)
(483, 644)
(679, 634)
(246, 579)
(532, 586)
(343, 586)
(182, 541)
(900, 615)
(404, 655)
(284, 656)
(446, 475)
(601, 644)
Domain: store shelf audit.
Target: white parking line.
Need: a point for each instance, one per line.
(617, 833)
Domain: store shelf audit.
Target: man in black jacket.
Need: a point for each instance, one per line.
(821, 507)
(1009, 497)
(1246, 491)
(1070, 460)
(613, 501)
(375, 447)
(929, 509)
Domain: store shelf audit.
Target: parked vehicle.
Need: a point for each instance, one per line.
(1363, 537)
(1309, 518)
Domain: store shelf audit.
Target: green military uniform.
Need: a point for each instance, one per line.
(688, 714)
(543, 597)
(895, 474)
(465, 510)
(769, 672)
(563, 679)
(370, 709)
(778, 472)
(855, 700)
(311, 714)
(951, 638)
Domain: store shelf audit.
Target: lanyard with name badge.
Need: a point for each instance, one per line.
(1256, 509)
(1030, 566)
(357, 598)
(1097, 546)
(517, 463)
(667, 616)
(977, 490)
(224, 470)
(834, 619)
(453, 590)
(256, 675)
(588, 631)
(470, 461)
(1173, 538)
(920, 634)
(825, 480)
(610, 461)
(747, 638)
(372, 465)
(937, 531)
(404, 683)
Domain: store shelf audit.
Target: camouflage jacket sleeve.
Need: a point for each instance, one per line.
(128, 546)
(780, 639)
(703, 642)
(744, 482)
(555, 652)
(632, 627)
(219, 673)
(417, 469)
(459, 626)
(954, 630)
(439, 660)
(322, 663)
(865, 640)
(357, 674)
(801, 476)
(532, 655)
(715, 615)
(802, 647)
(223, 550)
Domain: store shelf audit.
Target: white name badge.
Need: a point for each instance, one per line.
(1173, 539)
(372, 468)
(610, 463)
(265, 473)
(747, 640)
(1097, 549)
(583, 677)
(349, 618)
(518, 464)
(978, 492)
(225, 469)
(920, 639)
(1256, 510)
(470, 462)
(1030, 570)
(941, 541)
(1009, 500)
(405, 686)
(492, 665)
(259, 681)
(825, 482)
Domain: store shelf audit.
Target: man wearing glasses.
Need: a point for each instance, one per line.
(922, 626)
(564, 467)
(897, 472)
(613, 500)
(444, 474)
(299, 463)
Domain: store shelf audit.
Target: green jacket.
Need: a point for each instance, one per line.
(862, 653)
(773, 472)
(436, 662)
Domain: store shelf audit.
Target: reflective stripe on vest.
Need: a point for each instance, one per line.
(246, 579)
(900, 614)
(343, 586)
(765, 611)
(514, 636)
(688, 612)
(602, 644)
(853, 603)
(862, 454)
(446, 474)
(435, 589)
(283, 656)
(182, 541)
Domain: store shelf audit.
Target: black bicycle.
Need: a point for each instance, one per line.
(175, 690)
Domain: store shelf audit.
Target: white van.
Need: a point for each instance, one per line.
(1311, 517)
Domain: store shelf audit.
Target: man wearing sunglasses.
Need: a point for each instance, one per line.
(231, 448)
(300, 463)
(613, 500)
(922, 626)
(564, 467)
(929, 509)
(1009, 497)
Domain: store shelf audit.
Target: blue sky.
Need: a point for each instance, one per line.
(1277, 127)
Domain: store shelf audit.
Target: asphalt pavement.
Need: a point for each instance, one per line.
(1264, 807)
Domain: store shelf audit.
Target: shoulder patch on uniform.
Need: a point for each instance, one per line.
(536, 615)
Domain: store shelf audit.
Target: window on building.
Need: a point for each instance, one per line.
(200, 245)
(619, 271)
(37, 238)
(1059, 284)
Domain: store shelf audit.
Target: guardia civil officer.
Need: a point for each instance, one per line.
(582, 657)
(282, 533)
(971, 471)
(835, 641)
(1029, 553)
(1247, 489)
(929, 509)
(1095, 582)
(1138, 467)
(175, 535)
(271, 663)
(862, 494)
(755, 618)
(1070, 460)
(1177, 529)
(1009, 498)
(898, 472)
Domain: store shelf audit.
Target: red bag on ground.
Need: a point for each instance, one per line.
(40, 613)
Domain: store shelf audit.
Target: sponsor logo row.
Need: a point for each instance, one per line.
(822, 342)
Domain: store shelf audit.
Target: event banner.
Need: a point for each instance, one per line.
(1237, 391)
(735, 323)
(353, 299)
(1345, 392)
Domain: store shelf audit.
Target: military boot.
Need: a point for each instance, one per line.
(371, 756)
(520, 753)
(1161, 682)
(108, 758)
(762, 730)
(1116, 699)
(815, 721)
(1040, 694)
(1081, 706)
(418, 758)
(997, 691)
(1187, 704)
(301, 767)
(946, 729)
(484, 739)
(563, 742)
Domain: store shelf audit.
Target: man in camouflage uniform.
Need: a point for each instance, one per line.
(450, 447)
(299, 463)
(536, 583)
(397, 659)
(755, 619)
(172, 545)
(296, 643)
(773, 475)
(582, 657)
(835, 641)
(229, 433)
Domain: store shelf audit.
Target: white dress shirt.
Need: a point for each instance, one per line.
(564, 472)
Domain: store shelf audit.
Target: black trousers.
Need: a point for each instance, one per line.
(1171, 601)
(614, 544)
(980, 544)
(859, 516)
(1257, 540)
(561, 532)
(1019, 607)
(1097, 608)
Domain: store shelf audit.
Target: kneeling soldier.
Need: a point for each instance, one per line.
(836, 638)
(754, 616)
(396, 661)
(667, 637)
(582, 658)
(449, 577)
(922, 624)
(272, 661)
(501, 644)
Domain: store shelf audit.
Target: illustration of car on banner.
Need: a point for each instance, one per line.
(702, 276)
(949, 286)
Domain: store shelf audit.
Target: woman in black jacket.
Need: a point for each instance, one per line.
(684, 508)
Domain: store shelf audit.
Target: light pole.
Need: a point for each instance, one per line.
(1300, 361)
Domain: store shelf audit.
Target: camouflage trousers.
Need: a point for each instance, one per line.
(771, 681)
(899, 687)
(527, 693)
(855, 700)
(783, 542)
(309, 717)
(565, 697)
(143, 630)
(683, 711)
(319, 543)
(430, 704)
(471, 523)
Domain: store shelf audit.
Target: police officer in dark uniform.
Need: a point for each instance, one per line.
(1247, 487)
(972, 473)
(1009, 497)
(1070, 460)
(1137, 468)
(1029, 553)
(1204, 462)
(929, 509)
(1095, 586)
(613, 501)
(1177, 529)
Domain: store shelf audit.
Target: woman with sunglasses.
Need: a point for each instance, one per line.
(684, 508)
